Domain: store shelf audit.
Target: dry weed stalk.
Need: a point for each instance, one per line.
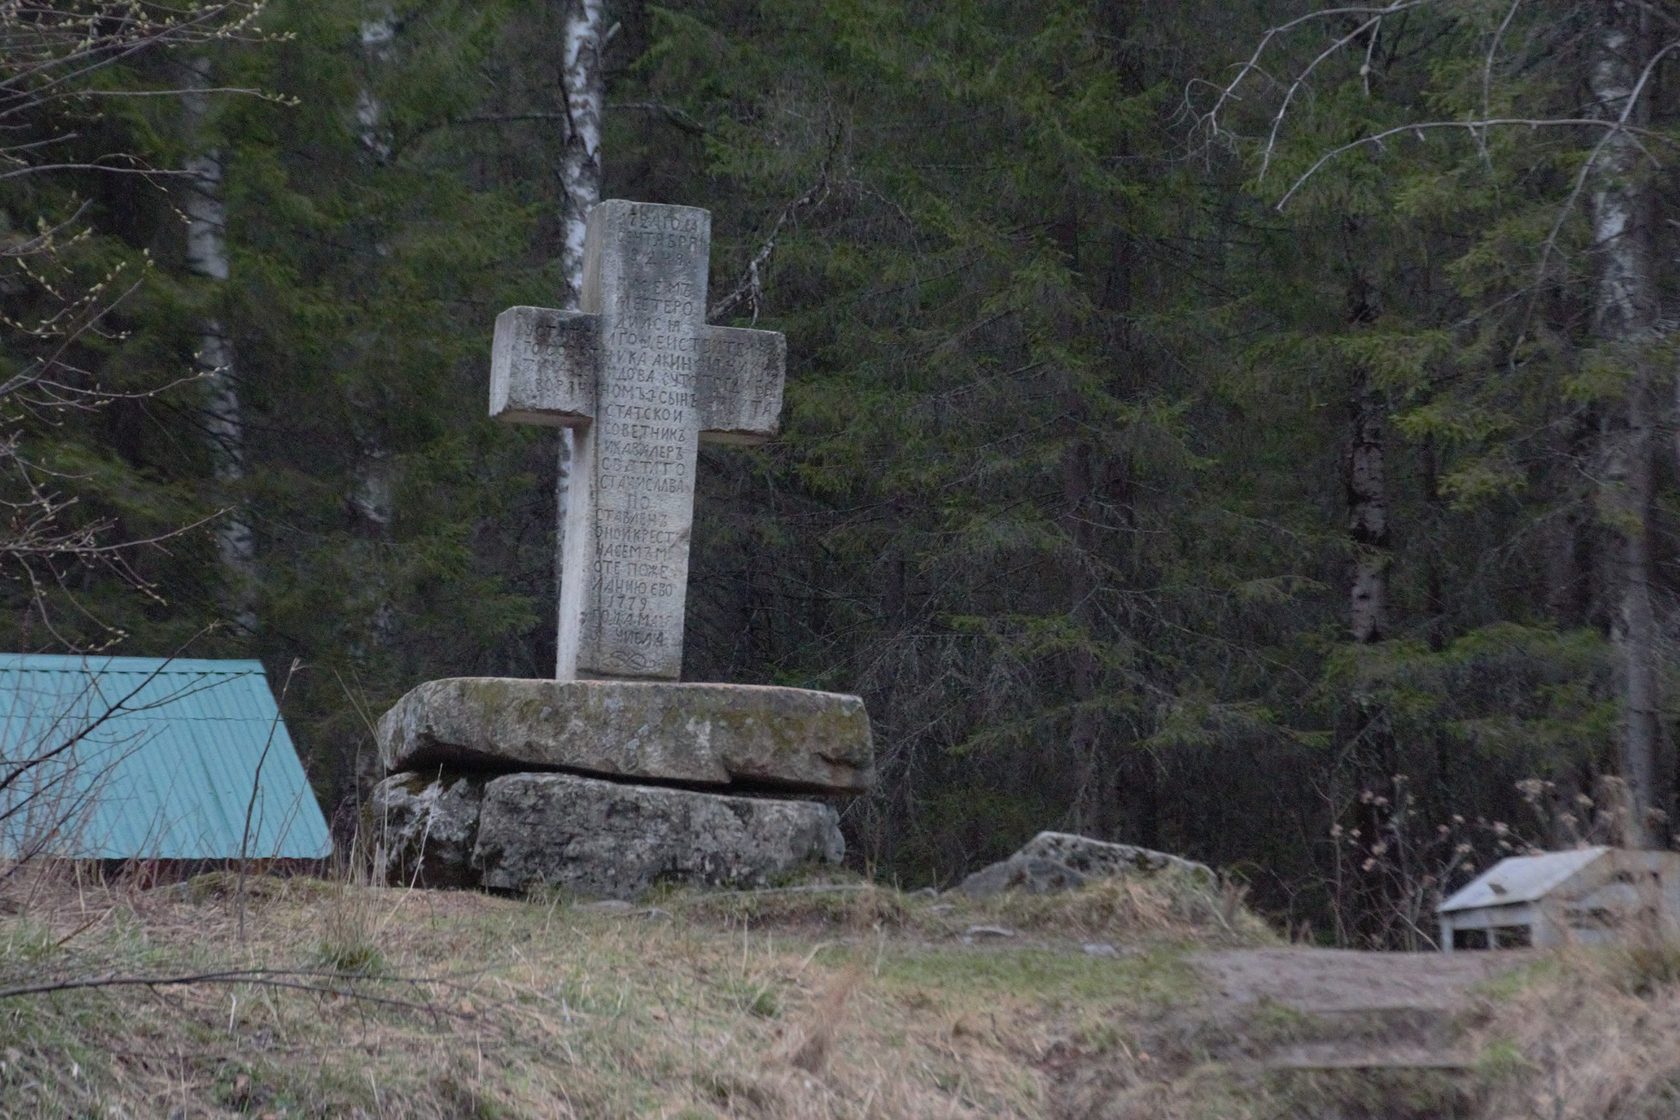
(810, 1052)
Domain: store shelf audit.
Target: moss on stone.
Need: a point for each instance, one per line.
(720, 735)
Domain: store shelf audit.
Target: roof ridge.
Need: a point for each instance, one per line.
(104, 663)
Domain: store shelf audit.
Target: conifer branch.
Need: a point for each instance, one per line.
(671, 113)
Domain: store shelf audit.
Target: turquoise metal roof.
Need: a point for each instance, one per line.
(120, 757)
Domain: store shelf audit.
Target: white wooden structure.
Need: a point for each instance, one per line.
(1587, 896)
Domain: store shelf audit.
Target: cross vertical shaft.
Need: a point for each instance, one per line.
(643, 379)
(628, 527)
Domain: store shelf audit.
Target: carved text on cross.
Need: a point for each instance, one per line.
(642, 379)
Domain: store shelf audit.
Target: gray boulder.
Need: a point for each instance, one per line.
(422, 829)
(1033, 876)
(614, 840)
(726, 735)
(1054, 861)
(1100, 858)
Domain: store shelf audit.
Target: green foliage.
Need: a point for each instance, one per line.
(1509, 692)
(1062, 486)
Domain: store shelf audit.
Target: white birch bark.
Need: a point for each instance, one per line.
(378, 36)
(372, 483)
(584, 91)
(372, 486)
(207, 257)
(1625, 314)
(580, 159)
(1367, 488)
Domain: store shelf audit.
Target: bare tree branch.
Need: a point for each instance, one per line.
(1492, 53)
(296, 979)
(51, 51)
(1610, 128)
(751, 288)
(1230, 91)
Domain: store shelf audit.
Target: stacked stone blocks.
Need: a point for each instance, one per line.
(613, 776)
(606, 788)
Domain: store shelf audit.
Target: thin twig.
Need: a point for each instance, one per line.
(805, 888)
(251, 804)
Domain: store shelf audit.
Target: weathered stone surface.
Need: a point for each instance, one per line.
(422, 829)
(542, 366)
(1099, 858)
(1055, 861)
(712, 734)
(614, 840)
(642, 379)
(1033, 876)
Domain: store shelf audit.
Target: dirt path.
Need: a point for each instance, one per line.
(1327, 981)
(1366, 1010)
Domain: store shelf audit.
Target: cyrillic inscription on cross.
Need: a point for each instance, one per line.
(642, 379)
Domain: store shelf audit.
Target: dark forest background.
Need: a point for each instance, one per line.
(1244, 429)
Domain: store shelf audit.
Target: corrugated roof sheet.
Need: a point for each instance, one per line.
(1521, 879)
(120, 757)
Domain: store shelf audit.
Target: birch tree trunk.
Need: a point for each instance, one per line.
(582, 88)
(1367, 472)
(373, 484)
(1624, 320)
(207, 257)
(1367, 498)
(1371, 903)
(378, 38)
(584, 92)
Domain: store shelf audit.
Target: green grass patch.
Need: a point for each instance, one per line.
(1145, 980)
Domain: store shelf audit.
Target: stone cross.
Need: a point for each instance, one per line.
(642, 379)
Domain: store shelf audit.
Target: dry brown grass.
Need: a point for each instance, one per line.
(866, 1004)
(1589, 1035)
(1166, 907)
(857, 1003)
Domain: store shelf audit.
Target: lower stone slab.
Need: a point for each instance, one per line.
(725, 735)
(419, 831)
(594, 837)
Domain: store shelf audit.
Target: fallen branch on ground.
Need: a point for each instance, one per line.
(296, 979)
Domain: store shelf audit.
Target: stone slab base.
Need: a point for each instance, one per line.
(594, 837)
(725, 735)
(419, 831)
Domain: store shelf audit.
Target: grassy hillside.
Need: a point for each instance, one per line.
(850, 1002)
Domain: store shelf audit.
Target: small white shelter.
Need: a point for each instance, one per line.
(1589, 896)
